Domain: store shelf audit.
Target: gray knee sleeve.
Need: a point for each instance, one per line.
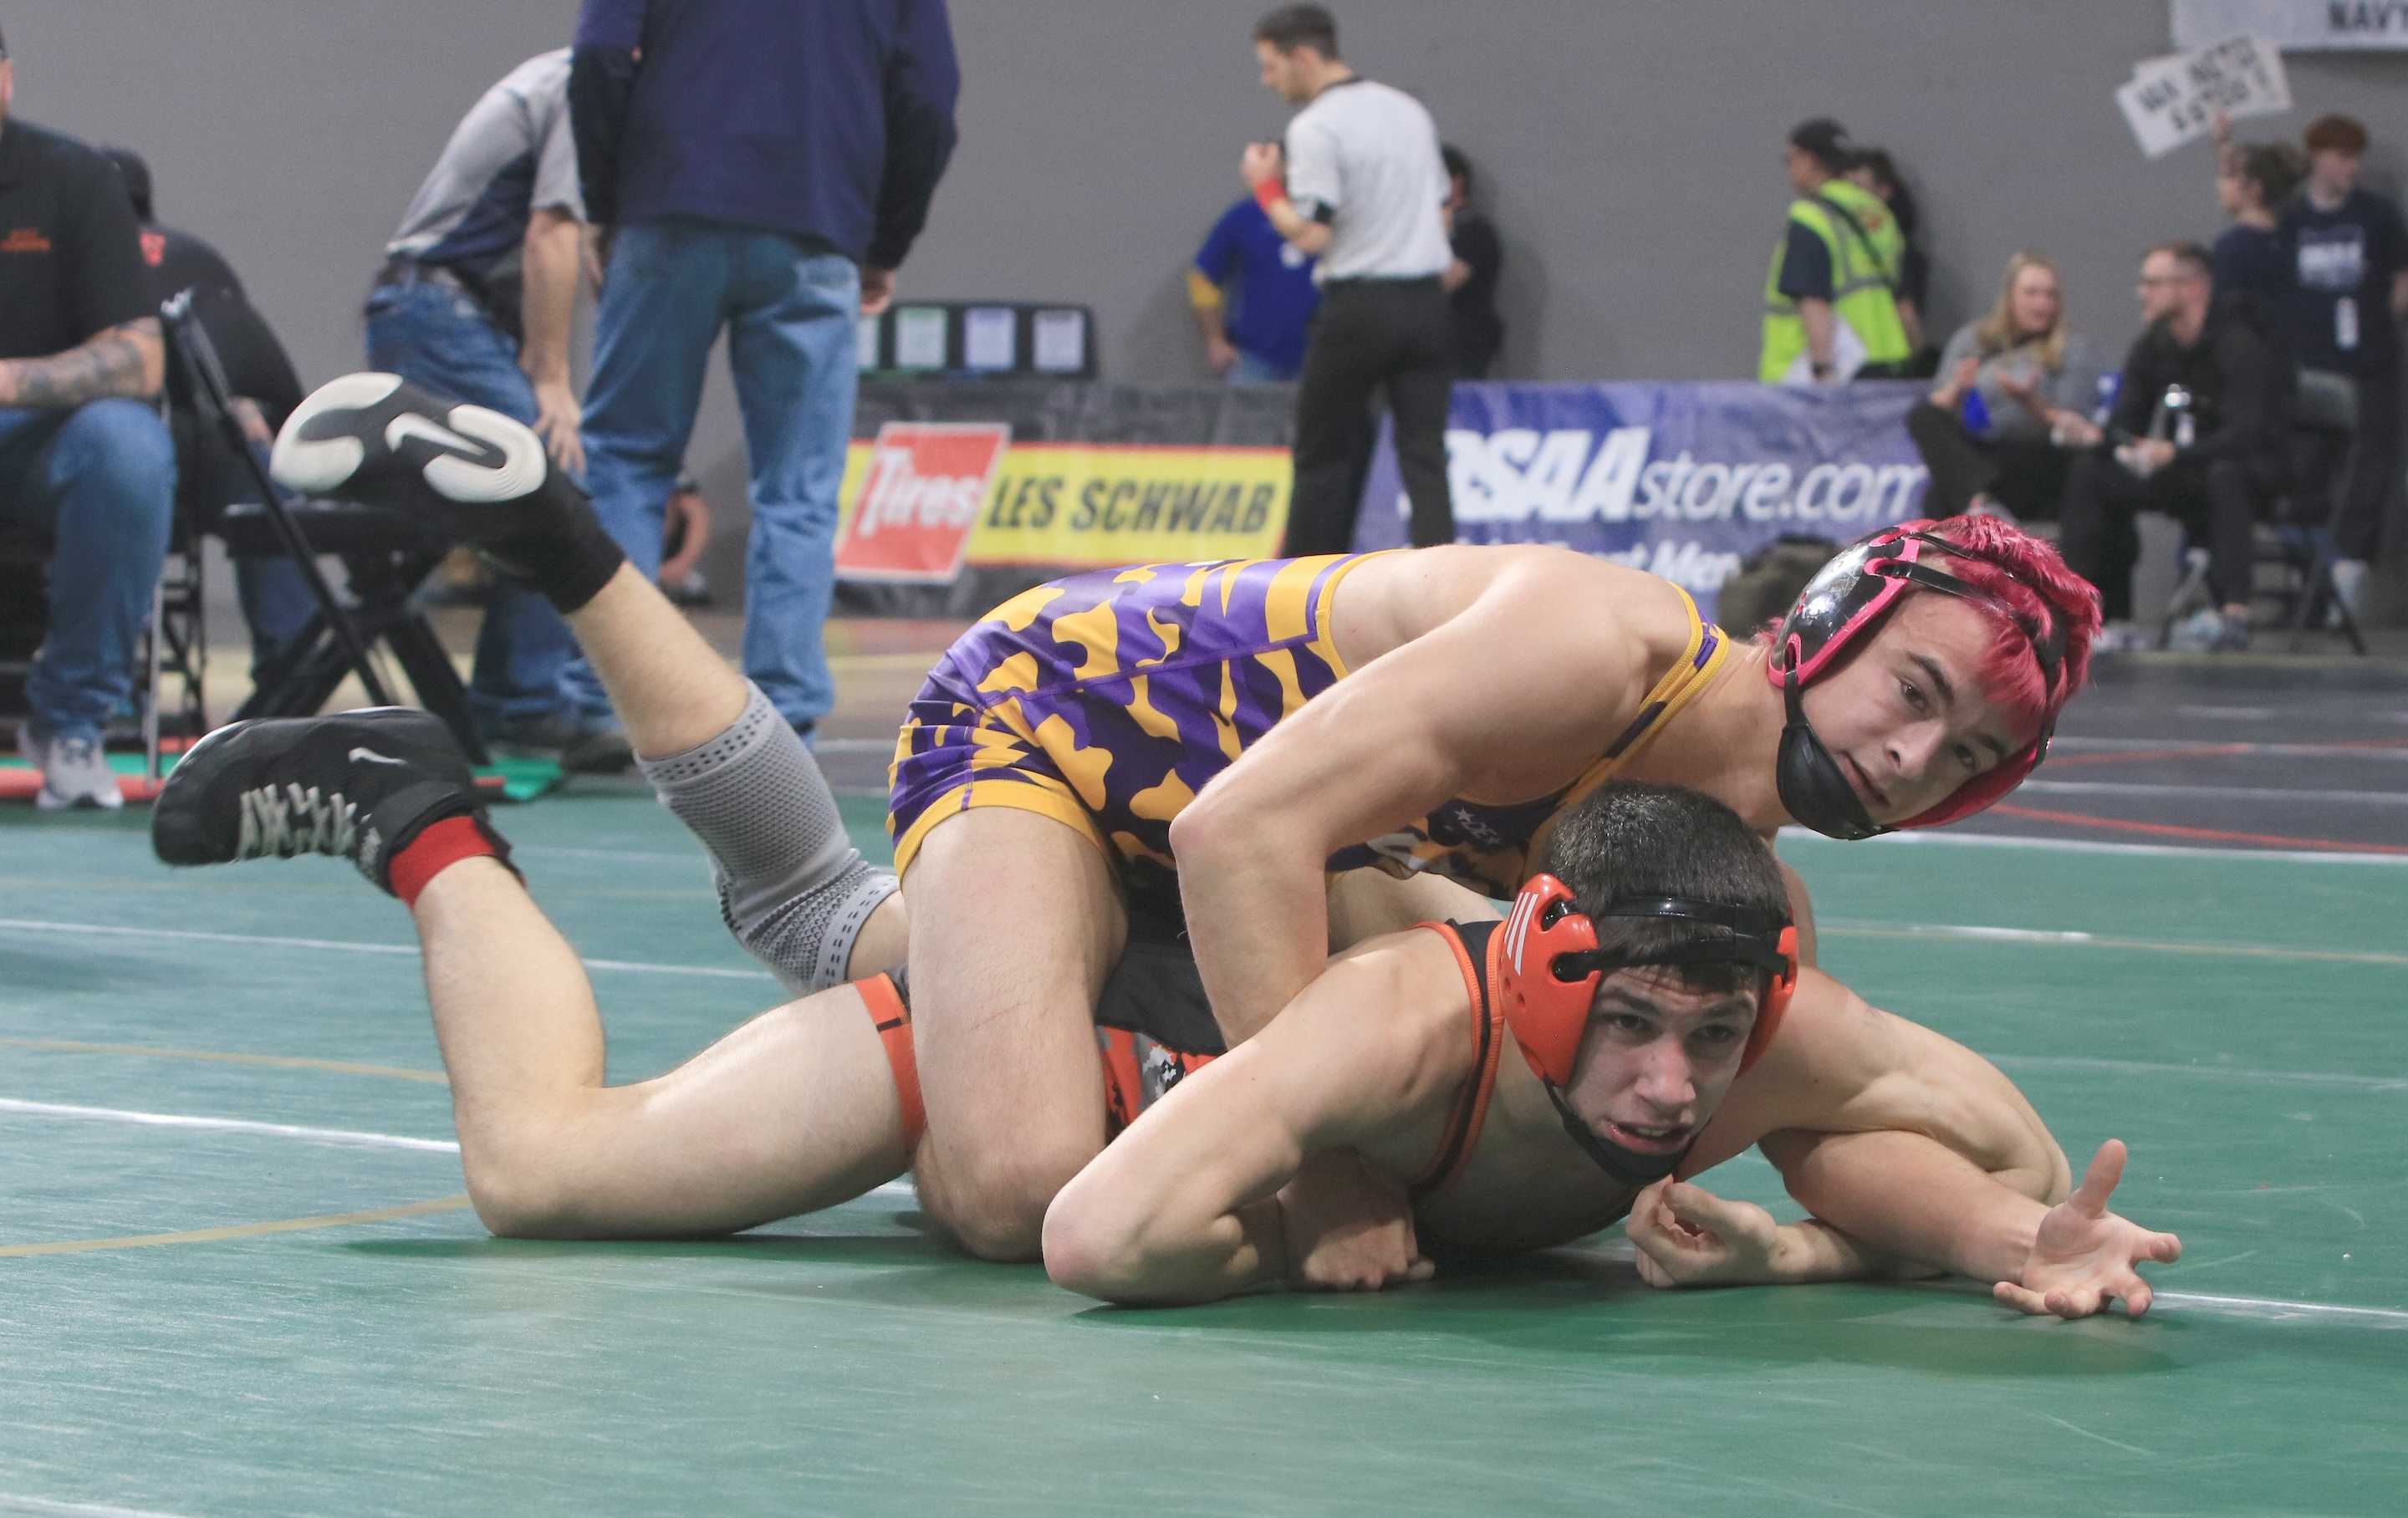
(792, 887)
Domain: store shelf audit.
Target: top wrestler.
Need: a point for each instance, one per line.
(1260, 722)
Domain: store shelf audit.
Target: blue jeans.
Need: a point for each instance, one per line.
(439, 339)
(790, 314)
(101, 480)
(1252, 370)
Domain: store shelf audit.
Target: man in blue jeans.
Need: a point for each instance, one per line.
(763, 167)
(84, 457)
(476, 300)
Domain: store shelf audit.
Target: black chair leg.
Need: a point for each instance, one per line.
(438, 684)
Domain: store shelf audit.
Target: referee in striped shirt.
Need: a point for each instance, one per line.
(1362, 193)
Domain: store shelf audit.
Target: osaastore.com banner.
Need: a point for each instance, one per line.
(1684, 480)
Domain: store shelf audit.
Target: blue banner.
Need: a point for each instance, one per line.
(1684, 480)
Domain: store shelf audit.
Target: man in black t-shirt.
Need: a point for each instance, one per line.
(84, 457)
(2348, 256)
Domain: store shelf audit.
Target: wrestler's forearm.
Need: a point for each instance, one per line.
(1810, 1250)
(1156, 1220)
(128, 361)
(1259, 924)
(1903, 1196)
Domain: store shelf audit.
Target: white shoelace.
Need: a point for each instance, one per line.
(287, 820)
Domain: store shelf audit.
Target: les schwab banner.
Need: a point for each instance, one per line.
(924, 500)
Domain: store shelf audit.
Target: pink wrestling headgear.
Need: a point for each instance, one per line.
(1842, 604)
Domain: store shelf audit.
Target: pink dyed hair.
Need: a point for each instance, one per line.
(2024, 574)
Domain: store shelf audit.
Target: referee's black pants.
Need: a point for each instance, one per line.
(1370, 335)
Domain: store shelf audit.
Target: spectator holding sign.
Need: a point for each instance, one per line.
(2015, 385)
(2349, 269)
(1830, 303)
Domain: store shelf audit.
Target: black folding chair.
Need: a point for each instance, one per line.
(387, 554)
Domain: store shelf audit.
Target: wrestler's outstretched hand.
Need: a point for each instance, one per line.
(1686, 1236)
(1349, 1229)
(2084, 1254)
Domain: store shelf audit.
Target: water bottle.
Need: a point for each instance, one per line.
(1976, 412)
(2181, 426)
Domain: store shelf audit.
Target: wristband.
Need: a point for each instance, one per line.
(1271, 191)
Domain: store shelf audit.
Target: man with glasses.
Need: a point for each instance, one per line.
(2197, 433)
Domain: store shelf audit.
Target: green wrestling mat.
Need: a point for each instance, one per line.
(235, 1276)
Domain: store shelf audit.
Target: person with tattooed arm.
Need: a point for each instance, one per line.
(84, 457)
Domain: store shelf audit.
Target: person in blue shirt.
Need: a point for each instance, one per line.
(2348, 252)
(2252, 180)
(1253, 293)
(760, 167)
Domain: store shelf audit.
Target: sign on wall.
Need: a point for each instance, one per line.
(1683, 480)
(2295, 26)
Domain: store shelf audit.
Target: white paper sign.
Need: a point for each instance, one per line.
(987, 341)
(2173, 100)
(1060, 339)
(920, 337)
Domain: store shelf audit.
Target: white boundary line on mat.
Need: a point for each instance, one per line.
(2215, 793)
(344, 1137)
(632, 966)
(2276, 1309)
(340, 1138)
(2091, 846)
(16, 1502)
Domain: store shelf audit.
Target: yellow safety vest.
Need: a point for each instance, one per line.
(1864, 277)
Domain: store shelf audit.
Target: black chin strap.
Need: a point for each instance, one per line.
(1813, 790)
(1629, 1166)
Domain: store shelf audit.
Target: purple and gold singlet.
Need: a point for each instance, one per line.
(1107, 700)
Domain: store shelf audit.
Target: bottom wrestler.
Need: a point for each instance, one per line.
(815, 1102)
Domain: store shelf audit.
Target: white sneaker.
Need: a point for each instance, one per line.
(2349, 587)
(2122, 638)
(2208, 630)
(75, 773)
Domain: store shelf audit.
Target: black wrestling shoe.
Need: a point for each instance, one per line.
(358, 786)
(483, 478)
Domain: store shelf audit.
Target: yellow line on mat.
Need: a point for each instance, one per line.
(239, 1230)
(280, 1062)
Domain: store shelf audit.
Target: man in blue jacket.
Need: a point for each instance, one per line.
(763, 167)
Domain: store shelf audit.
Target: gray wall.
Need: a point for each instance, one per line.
(1629, 152)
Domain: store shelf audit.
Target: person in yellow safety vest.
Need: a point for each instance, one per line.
(1830, 303)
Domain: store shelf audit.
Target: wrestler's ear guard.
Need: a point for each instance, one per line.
(1547, 1015)
(1548, 968)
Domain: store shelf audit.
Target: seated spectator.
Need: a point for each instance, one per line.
(276, 601)
(2348, 253)
(2252, 181)
(1475, 331)
(2197, 431)
(2013, 383)
(1874, 170)
(83, 455)
(1253, 296)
